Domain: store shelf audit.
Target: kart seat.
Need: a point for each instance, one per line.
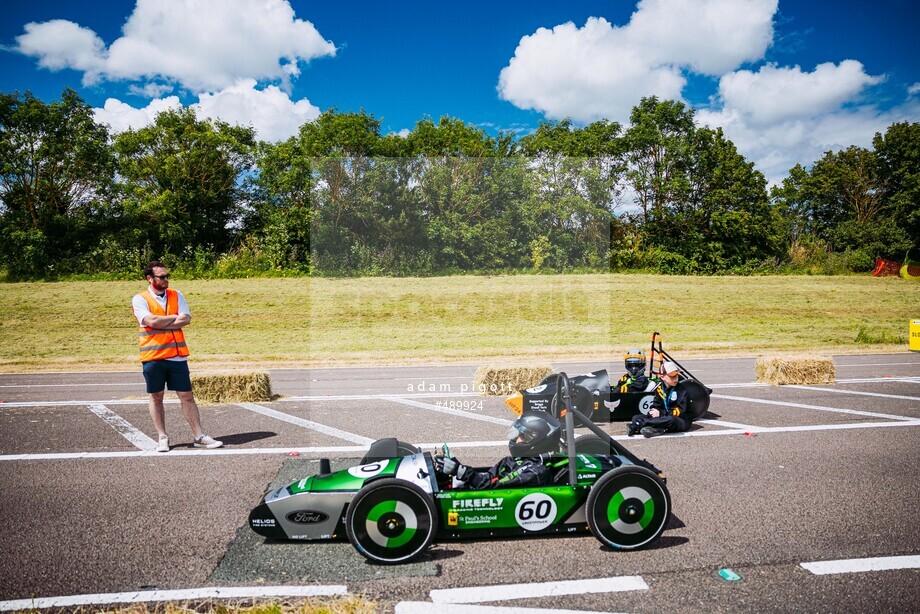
(390, 447)
(562, 477)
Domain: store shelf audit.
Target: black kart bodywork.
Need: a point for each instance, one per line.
(595, 397)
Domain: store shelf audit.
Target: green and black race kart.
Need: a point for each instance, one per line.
(394, 504)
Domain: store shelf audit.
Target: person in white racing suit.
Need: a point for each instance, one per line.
(533, 441)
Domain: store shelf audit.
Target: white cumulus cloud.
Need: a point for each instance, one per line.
(60, 44)
(203, 45)
(780, 117)
(775, 94)
(708, 36)
(270, 111)
(602, 71)
(120, 116)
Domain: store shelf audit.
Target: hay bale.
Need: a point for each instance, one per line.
(805, 370)
(501, 381)
(232, 387)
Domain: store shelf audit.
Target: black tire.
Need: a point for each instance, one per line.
(628, 508)
(592, 444)
(698, 398)
(583, 401)
(391, 521)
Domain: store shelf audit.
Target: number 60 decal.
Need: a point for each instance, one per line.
(535, 512)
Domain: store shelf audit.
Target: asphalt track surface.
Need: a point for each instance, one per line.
(778, 484)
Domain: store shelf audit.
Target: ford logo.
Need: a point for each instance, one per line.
(307, 517)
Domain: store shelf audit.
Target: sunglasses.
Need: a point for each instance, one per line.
(161, 276)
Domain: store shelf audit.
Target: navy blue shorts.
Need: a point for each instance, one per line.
(162, 373)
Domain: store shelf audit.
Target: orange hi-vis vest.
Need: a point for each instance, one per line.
(157, 344)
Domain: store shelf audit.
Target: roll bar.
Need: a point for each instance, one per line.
(656, 337)
(564, 392)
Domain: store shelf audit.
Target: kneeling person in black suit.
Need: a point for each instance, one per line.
(669, 409)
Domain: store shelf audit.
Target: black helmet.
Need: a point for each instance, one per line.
(534, 433)
(635, 362)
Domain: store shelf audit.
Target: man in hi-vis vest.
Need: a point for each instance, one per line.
(162, 313)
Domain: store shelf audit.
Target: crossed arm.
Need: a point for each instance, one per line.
(172, 322)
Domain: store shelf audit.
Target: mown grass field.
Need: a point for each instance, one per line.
(473, 320)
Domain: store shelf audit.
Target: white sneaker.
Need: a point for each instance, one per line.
(163, 446)
(207, 442)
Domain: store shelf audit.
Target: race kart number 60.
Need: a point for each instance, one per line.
(535, 512)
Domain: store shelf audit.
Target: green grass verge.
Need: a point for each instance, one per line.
(473, 319)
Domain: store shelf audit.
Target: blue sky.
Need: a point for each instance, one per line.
(786, 80)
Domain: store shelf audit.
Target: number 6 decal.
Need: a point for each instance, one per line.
(370, 470)
(645, 404)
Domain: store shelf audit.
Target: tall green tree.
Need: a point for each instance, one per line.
(466, 188)
(279, 218)
(845, 202)
(577, 175)
(898, 160)
(56, 169)
(363, 219)
(658, 145)
(183, 181)
(728, 219)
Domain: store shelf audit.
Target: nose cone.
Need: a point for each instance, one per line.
(516, 403)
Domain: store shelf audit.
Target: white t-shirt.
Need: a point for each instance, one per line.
(142, 310)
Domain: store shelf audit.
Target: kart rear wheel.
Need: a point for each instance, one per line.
(697, 397)
(582, 400)
(391, 521)
(628, 508)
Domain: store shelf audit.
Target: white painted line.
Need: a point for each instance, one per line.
(791, 429)
(426, 607)
(307, 424)
(217, 592)
(886, 563)
(889, 378)
(502, 592)
(836, 410)
(878, 364)
(742, 385)
(857, 392)
(80, 403)
(446, 410)
(731, 425)
(377, 397)
(225, 451)
(138, 385)
(420, 395)
(124, 428)
(174, 453)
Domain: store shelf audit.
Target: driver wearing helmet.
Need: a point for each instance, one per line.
(634, 380)
(532, 439)
(669, 408)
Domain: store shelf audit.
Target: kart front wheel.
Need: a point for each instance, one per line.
(628, 507)
(391, 521)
